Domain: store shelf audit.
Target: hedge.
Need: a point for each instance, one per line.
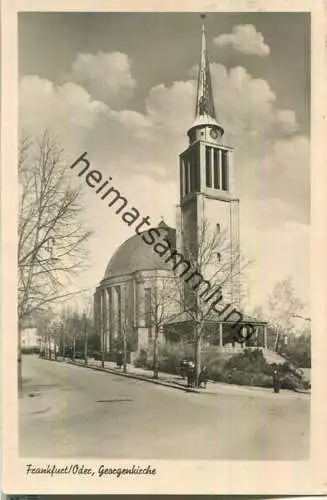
(247, 368)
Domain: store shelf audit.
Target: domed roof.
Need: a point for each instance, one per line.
(136, 255)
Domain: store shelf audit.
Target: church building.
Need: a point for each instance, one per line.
(123, 301)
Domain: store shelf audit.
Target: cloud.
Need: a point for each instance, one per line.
(277, 252)
(245, 39)
(286, 176)
(267, 149)
(67, 110)
(151, 197)
(244, 105)
(106, 76)
(286, 120)
(291, 155)
(132, 141)
(164, 104)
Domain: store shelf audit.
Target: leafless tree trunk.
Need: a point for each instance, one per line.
(208, 266)
(197, 351)
(19, 374)
(126, 324)
(74, 347)
(124, 352)
(49, 218)
(63, 337)
(277, 338)
(49, 347)
(155, 353)
(161, 307)
(103, 352)
(55, 345)
(123, 337)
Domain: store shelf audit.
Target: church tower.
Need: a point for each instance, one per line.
(207, 199)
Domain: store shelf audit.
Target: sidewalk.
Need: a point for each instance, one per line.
(176, 382)
(165, 379)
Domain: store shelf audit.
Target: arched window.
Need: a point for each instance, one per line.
(218, 228)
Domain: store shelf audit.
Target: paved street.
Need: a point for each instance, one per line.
(85, 413)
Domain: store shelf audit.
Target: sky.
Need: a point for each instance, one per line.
(121, 87)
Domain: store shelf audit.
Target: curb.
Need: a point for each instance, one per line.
(136, 377)
(300, 391)
(162, 382)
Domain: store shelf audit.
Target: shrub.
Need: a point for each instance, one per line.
(169, 357)
(246, 378)
(247, 368)
(141, 360)
(249, 361)
(298, 350)
(215, 361)
(30, 350)
(251, 368)
(293, 383)
(109, 356)
(215, 372)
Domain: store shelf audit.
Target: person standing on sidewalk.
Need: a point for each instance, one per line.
(203, 377)
(119, 359)
(276, 380)
(190, 373)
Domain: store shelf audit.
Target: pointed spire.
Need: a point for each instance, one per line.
(204, 100)
(205, 114)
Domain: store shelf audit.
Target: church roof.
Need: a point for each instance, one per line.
(136, 255)
(184, 317)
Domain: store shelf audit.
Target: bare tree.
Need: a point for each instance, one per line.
(124, 334)
(49, 220)
(76, 327)
(220, 276)
(87, 325)
(161, 306)
(283, 307)
(43, 322)
(123, 320)
(71, 330)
